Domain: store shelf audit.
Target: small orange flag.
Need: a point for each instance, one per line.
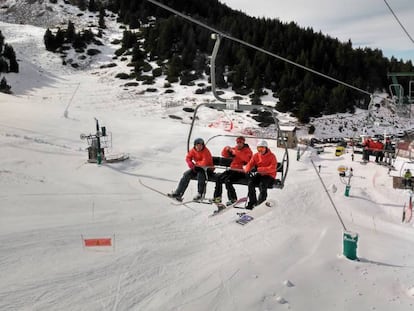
(98, 242)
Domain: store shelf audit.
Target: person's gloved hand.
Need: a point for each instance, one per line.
(228, 150)
(191, 165)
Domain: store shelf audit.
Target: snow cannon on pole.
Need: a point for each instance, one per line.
(96, 153)
(97, 143)
(344, 172)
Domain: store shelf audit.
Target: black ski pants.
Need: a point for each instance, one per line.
(261, 181)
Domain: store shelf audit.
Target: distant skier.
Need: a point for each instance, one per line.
(378, 147)
(389, 151)
(200, 162)
(367, 144)
(407, 178)
(264, 163)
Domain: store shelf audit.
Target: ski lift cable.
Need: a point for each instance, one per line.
(214, 30)
(399, 22)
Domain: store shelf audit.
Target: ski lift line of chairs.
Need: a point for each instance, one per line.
(224, 163)
(399, 181)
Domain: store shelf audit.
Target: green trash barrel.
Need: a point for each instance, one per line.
(347, 188)
(350, 245)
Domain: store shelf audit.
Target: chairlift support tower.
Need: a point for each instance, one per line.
(233, 104)
(397, 91)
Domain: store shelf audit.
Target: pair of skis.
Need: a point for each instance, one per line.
(243, 217)
(177, 202)
(222, 208)
(258, 211)
(247, 215)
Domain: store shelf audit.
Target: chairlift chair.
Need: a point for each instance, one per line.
(224, 163)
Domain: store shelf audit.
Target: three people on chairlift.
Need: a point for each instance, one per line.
(373, 147)
(261, 170)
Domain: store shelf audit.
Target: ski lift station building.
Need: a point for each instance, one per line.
(288, 134)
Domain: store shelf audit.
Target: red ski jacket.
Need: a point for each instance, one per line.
(265, 163)
(240, 156)
(199, 158)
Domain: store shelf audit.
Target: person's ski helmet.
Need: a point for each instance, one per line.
(198, 141)
(262, 143)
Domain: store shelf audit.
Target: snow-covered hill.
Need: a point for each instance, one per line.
(31, 49)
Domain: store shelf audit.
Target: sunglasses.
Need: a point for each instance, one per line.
(239, 141)
(261, 148)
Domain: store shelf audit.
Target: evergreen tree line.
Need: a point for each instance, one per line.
(182, 48)
(8, 63)
(83, 5)
(78, 40)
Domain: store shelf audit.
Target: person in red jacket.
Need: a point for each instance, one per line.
(241, 155)
(200, 163)
(368, 145)
(378, 151)
(264, 163)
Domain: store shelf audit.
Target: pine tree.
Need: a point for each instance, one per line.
(137, 53)
(60, 38)
(78, 42)
(134, 21)
(11, 55)
(82, 5)
(101, 22)
(14, 66)
(200, 63)
(166, 38)
(190, 48)
(92, 7)
(173, 69)
(8, 51)
(4, 65)
(4, 87)
(70, 32)
(285, 100)
(49, 40)
(1, 41)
